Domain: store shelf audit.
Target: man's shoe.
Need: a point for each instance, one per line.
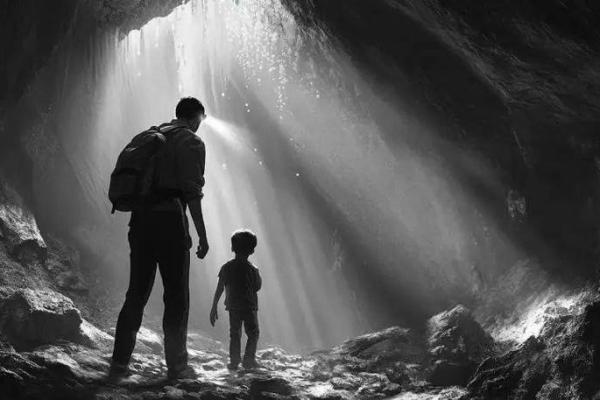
(251, 364)
(118, 371)
(186, 372)
(232, 367)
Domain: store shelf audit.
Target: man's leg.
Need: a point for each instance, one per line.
(174, 264)
(252, 331)
(141, 280)
(235, 337)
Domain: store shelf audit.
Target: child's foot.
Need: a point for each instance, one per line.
(232, 367)
(251, 364)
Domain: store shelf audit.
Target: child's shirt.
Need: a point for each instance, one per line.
(242, 281)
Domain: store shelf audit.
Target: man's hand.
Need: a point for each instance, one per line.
(214, 316)
(202, 249)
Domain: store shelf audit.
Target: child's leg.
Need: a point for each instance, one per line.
(252, 331)
(235, 337)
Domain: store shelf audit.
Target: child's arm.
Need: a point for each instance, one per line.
(218, 292)
(258, 280)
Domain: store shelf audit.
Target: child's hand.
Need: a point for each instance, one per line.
(213, 316)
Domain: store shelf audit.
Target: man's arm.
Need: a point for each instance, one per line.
(213, 312)
(195, 206)
(191, 161)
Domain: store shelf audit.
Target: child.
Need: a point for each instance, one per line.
(241, 281)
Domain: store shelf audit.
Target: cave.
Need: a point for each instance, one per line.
(422, 178)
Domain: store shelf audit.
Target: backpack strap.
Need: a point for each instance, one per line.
(171, 128)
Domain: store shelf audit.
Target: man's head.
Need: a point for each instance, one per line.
(243, 242)
(190, 111)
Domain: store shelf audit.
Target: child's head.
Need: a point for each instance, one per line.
(243, 242)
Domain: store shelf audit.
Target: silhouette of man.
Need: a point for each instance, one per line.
(159, 234)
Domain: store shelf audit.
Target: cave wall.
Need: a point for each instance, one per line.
(514, 82)
(31, 34)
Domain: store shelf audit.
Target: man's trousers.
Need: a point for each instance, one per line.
(157, 238)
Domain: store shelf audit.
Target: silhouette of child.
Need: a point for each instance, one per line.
(241, 281)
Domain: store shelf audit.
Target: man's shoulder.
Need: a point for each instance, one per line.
(185, 136)
(189, 143)
(181, 134)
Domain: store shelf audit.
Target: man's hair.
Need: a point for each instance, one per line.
(188, 108)
(243, 241)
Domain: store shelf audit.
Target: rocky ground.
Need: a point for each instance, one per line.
(48, 351)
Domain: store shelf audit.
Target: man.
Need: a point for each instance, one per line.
(158, 234)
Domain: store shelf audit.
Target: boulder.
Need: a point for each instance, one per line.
(523, 370)
(457, 344)
(563, 362)
(372, 365)
(29, 318)
(395, 342)
(51, 372)
(18, 227)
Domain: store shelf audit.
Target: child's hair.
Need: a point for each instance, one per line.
(243, 241)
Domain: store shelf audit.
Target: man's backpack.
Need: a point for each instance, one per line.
(131, 182)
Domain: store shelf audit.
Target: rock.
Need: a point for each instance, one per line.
(213, 365)
(397, 343)
(147, 341)
(562, 363)
(95, 338)
(71, 280)
(173, 393)
(370, 366)
(270, 385)
(6, 292)
(51, 372)
(18, 227)
(5, 346)
(33, 317)
(456, 343)
(445, 373)
(150, 339)
(444, 394)
(511, 373)
(346, 382)
(201, 342)
(63, 264)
